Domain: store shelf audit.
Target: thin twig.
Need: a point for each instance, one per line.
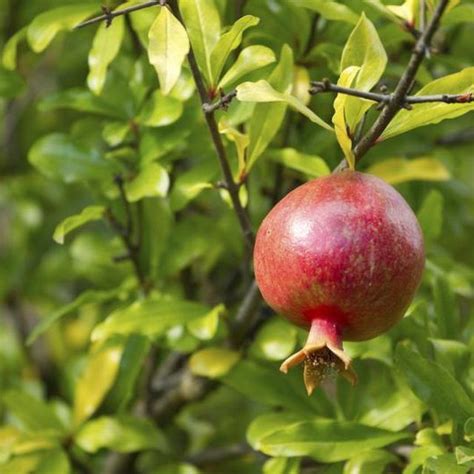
(222, 103)
(325, 86)
(398, 98)
(108, 15)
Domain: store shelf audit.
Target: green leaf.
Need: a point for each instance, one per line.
(105, 47)
(213, 362)
(250, 58)
(131, 364)
(10, 50)
(53, 462)
(33, 413)
(373, 461)
(469, 429)
(89, 296)
(312, 165)
(341, 127)
(430, 215)
(96, 380)
(83, 101)
(446, 309)
(329, 9)
(424, 114)
(205, 328)
(465, 456)
(89, 214)
(152, 180)
(276, 340)
(452, 355)
(434, 385)
(203, 25)
(167, 49)
(58, 156)
(160, 110)
(227, 43)
(123, 434)
(281, 466)
(11, 84)
(461, 14)
(241, 141)
(364, 50)
(268, 117)
(150, 317)
(47, 25)
(262, 91)
(399, 170)
(443, 464)
(323, 440)
(407, 11)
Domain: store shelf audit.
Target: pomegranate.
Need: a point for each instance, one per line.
(341, 256)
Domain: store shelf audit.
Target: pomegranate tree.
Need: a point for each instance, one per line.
(341, 256)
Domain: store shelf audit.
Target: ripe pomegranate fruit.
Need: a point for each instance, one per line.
(341, 256)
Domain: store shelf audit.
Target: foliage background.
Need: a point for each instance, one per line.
(111, 374)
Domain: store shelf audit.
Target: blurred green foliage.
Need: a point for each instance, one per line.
(152, 270)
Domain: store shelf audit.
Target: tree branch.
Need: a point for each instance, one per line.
(398, 98)
(326, 86)
(222, 103)
(109, 15)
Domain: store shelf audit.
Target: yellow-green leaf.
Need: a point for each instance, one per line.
(205, 328)
(227, 43)
(167, 48)
(105, 48)
(365, 50)
(241, 141)
(262, 91)
(89, 214)
(10, 49)
(329, 9)
(399, 170)
(47, 25)
(251, 58)
(96, 380)
(152, 180)
(213, 362)
(203, 25)
(312, 165)
(339, 118)
(408, 10)
(424, 114)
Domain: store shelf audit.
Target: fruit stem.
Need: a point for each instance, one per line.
(322, 355)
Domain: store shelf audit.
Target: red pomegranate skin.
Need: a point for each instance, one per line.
(344, 249)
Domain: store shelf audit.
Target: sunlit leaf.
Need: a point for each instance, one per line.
(373, 461)
(241, 141)
(329, 9)
(160, 110)
(424, 114)
(205, 328)
(152, 180)
(89, 214)
(399, 170)
(227, 43)
(54, 462)
(167, 49)
(276, 340)
(322, 439)
(47, 25)
(339, 118)
(213, 362)
(150, 317)
(312, 165)
(10, 49)
(106, 46)
(123, 434)
(282, 466)
(250, 58)
(365, 50)
(96, 380)
(203, 25)
(262, 91)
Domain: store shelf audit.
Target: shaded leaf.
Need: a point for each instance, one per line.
(241, 141)
(11, 84)
(10, 49)
(373, 461)
(168, 48)
(430, 215)
(250, 58)
(47, 25)
(213, 362)
(227, 43)
(424, 114)
(434, 385)
(399, 170)
(89, 214)
(329, 9)
(123, 434)
(54, 462)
